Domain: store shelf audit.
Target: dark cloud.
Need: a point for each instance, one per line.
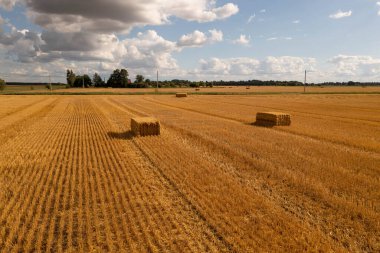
(120, 15)
(69, 41)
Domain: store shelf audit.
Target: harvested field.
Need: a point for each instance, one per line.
(73, 178)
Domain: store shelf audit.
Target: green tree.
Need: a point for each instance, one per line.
(2, 85)
(97, 81)
(81, 81)
(139, 79)
(70, 77)
(118, 79)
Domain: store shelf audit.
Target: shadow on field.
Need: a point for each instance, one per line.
(260, 124)
(124, 135)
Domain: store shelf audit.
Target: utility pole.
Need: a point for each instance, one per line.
(51, 88)
(157, 82)
(304, 85)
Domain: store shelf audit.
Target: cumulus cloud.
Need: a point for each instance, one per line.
(242, 40)
(355, 66)
(296, 21)
(285, 67)
(341, 14)
(216, 35)
(121, 16)
(150, 51)
(198, 38)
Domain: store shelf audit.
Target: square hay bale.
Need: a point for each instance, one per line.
(273, 119)
(143, 126)
(181, 95)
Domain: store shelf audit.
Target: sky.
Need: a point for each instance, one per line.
(334, 40)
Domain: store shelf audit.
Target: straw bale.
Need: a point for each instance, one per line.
(181, 95)
(273, 119)
(143, 126)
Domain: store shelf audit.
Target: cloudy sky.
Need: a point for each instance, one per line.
(335, 40)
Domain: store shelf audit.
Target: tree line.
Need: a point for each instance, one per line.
(118, 79)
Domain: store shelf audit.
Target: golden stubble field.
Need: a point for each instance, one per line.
(73, 178)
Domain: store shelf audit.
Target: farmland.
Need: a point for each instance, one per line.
(74, 178)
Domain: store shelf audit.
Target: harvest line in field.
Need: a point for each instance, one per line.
(207, 183)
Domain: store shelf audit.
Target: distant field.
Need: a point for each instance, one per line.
(29, 88)
(240, 89)
(73, 178)
(221, 90)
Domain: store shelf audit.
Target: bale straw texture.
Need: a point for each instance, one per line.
(181, 95)
(273, 119)
(143, 126)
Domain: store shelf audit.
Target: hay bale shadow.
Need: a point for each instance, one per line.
(262, 124)
(124, 135)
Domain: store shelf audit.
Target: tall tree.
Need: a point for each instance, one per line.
(70, 77)
(81, 81)
(97, 80)
(118, 79)
(139, 79)
(2, 85)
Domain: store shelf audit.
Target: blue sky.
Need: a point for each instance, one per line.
(336, 40)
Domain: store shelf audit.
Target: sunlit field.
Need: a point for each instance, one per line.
(74, 178)
(202, 90)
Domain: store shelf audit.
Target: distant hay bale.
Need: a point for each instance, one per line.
(197, 89)
(247, 88)
(143, 126)
(181, 95)
(273, 119)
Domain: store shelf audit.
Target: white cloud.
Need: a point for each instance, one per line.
(279, 38)
(296, 21)
(263, 11)
(251, 18)
(378, 3)
(356, 66)
(198, 38)
(242, 40)
(281, 68)
(216, 35)
(225, 11)
(341, 14)
(378, 13)
(150, 51)
(286, 65)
